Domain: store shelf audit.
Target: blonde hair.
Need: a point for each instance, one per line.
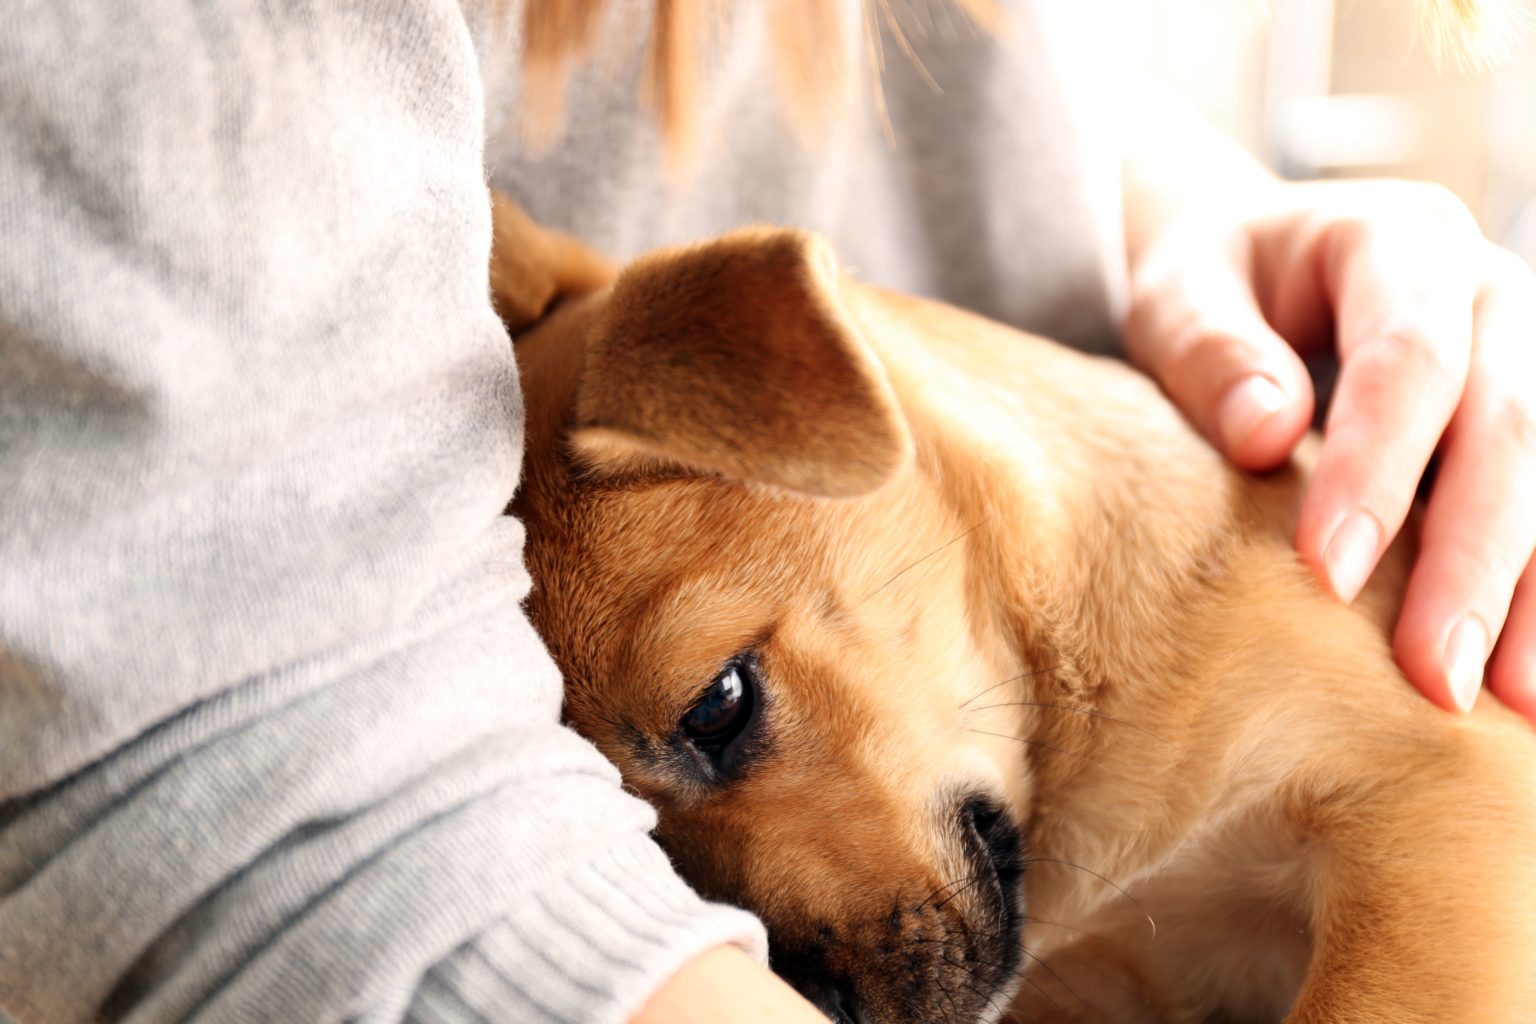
(810, 54)
(808, 38)
(1474, 34)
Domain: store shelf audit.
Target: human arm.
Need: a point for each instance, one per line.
(726, 984)
(276, 742)
(1234, 273)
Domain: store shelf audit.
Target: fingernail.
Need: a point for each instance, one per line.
(1245, 407)
(1351, 554)
(1466, 652)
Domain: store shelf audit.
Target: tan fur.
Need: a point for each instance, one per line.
(1039, 585)
(779, 335)
(532, 266)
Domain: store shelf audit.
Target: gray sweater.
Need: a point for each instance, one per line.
(276, 743)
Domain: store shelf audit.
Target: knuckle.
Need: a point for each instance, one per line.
(1400, 212)
(1442, 206)
(1494, 568)
(1514, 417)
(1409, 342)
(1485, 567)
(1352, 233)
(1207, 352)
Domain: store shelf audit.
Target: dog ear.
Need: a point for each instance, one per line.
(737, 357)
(532, 267)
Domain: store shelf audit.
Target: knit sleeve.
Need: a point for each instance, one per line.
(276, 742)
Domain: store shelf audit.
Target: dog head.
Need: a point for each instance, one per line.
(772, 616)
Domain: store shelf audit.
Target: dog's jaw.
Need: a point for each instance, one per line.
(1060, 528)
(940, 549)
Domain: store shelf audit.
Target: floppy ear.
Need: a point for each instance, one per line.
(531, 266)
(737, 357)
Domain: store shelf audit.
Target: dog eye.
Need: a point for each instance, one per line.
(724, 710)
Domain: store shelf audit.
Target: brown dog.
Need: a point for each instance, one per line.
(964, 662)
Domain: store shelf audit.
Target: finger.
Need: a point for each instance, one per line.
(1196, 328)
(1404, 334)
(1512, 677)
(1479, 534)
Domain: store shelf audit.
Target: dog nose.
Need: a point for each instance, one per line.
(993, 839)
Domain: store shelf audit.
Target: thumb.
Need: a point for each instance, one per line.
(1195, 326)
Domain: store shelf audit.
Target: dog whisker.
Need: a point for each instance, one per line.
(955, 942)
(1025, 977)
(1005, 682)
(1113, 885)
(1079, 709)
(1059, 979)
(1028, 742)
(947, 899)
(989, 998)
(1059, 924)
(953, 939)
(1082, 755)
(1032, 983)
(1106, 976)
(964, 880)
(954, 1009)
(997, 1010)
(947, 544)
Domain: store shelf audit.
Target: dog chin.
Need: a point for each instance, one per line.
(1002, 1000)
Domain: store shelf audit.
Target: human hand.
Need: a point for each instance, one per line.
(725, 984)
(1435, 329)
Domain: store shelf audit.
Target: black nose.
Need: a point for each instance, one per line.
(995, 844)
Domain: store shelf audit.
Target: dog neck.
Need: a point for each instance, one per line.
(1113, 548)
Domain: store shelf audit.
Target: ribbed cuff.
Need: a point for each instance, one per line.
(591, 946)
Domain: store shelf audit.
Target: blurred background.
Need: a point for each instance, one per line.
(1349, 88)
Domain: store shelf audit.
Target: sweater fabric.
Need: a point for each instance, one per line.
(276, 742)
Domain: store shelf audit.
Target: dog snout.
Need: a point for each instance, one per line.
(945, 948)
(807, 967)
(835, 998)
